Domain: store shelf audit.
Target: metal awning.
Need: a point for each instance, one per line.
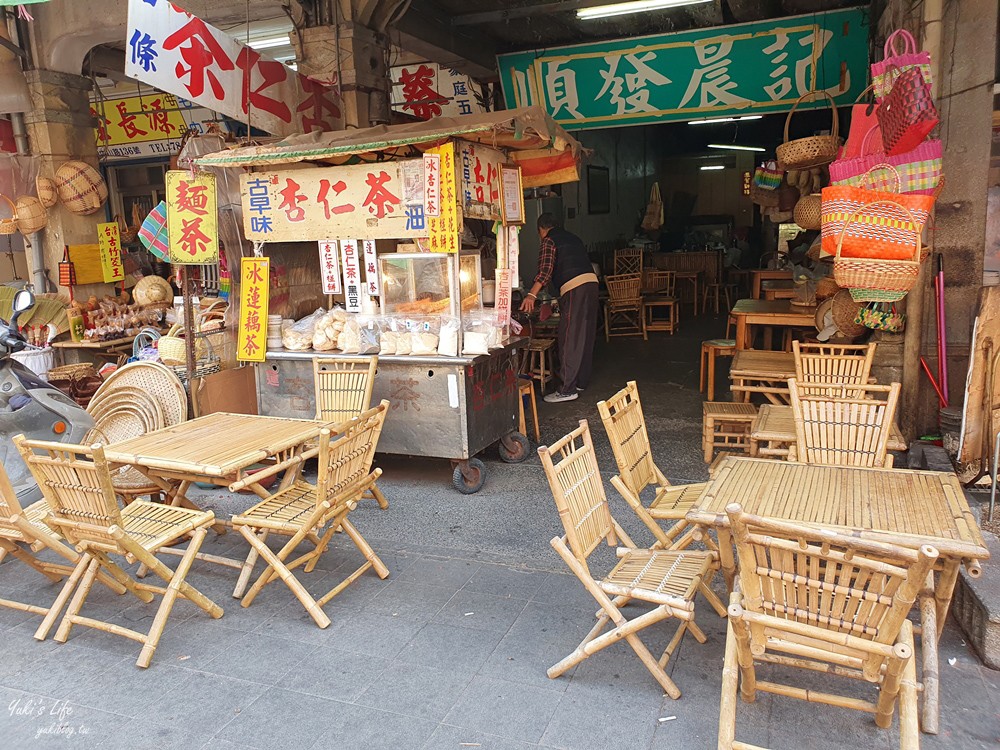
(526, 129)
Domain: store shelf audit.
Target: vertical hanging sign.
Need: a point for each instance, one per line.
(191, 218)
(329, 266)
(432, 185)
(372, 285)
(255, 287)
(445, 229)
(502, 304)
(513, 195)
(513, 249)
(352, 275)
(109, 242)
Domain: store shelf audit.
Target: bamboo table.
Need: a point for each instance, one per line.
(762, 372)
(761, 275)
(774, 430)
(778, 289)
(901, 507)
(750, 312)
(219, 449)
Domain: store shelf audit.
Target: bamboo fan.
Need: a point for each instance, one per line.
(46, 310)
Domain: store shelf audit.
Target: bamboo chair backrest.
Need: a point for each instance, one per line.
(76, 483)
(660, 282)
(628, 260)
(626, 427)
(818, 578)
(625, 291)
(832, 364)
(844, 425)
(343, 387)
(348, 458)
(575, 480)
(9, 507)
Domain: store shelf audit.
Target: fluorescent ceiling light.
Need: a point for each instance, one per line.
(725, 119)
(271, 42)
(638, 6)
(712, 167)
(734, 147)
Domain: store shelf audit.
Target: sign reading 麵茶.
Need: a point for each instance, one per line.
(750, 68)
(177, 52)
(192, 225)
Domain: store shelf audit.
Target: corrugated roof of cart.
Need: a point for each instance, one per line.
(547, 154)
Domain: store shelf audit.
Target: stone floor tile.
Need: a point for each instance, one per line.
(453, 573)
(411, 599)
(371, 729)
(374, 633)
(115, 689)
(259, 658)
(506, 581)
(142, 733)
(478, 611)
(507, 709)
(204, 702)
(449, 647)
(283, 720)
(415, 690)
(447, 737)
(333, 673)
(525, 660)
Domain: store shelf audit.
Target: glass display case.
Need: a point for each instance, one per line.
(425, 283)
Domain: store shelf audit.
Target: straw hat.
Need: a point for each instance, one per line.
(31, 215)
(152, 290)
(81, 188)
(47, 193)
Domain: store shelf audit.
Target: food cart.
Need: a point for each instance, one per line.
(385, 223)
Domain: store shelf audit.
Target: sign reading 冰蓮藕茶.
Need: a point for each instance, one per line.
(255, 289)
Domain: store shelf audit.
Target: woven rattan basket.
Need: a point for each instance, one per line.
(157, 380)
(8, 225)
(845, 310)
(807, 211)
(47, 193)
(81, 188)
(31, 215)
(763, 197)
(874, 279)
(826, 287)
(814, 151)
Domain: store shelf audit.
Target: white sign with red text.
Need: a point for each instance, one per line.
(329, 266)
(352, 275)
(178, 53)
(372, 285)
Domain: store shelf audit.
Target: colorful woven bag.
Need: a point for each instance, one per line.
(767, 175)
(881, 316)
(884, 73)
(920, 170)
(881, 230)
(907, 115)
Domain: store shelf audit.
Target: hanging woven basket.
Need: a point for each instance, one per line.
(47, 193)
(8, 224)
(31, 215)
(81, 188)
(814, 151)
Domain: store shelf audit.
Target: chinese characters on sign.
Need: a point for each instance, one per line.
(191, 218)
(427, 90)
(513, 250)
(513, 195)
(481, 181)
(329, 266)
(255, 288)
(502, 305)
(746, 68)
(352, 275)
(363, 200)
(372, 285)
(445, 229)
(432, 185)
(179, 53)
(109, 241)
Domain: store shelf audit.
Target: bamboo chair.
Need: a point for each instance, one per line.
(23, 534)
(313, 513)
(824, 602)
(843, 425)
(832, 364)
(624, 307)
(343, 391)
(626, 427)
(659, 291)
(76, 483)
(667, 579)
(628, 260)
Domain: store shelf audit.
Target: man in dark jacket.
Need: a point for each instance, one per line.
(563, 261)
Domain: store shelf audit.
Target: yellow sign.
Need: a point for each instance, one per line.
(255, 287)
(445, 229)
(191, 218)
(109, 240)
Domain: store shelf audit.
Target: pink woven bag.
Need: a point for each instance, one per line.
(883, 75)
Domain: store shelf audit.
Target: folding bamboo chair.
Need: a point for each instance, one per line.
(832, 364)
(623, 311)
(23, 534)
(843, 425)
(821, 601)
(626, 427)
(667, 579)
(343, 391)
(76, 483)
(313, 513)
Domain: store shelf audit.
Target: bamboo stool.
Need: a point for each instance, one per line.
(526, 389)
(714, 291)
(709, 351)
(726, 425)
(538, 361)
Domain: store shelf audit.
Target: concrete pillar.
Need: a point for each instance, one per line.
(354, 56)
(61, 129)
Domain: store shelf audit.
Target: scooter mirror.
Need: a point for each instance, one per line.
(23, 300)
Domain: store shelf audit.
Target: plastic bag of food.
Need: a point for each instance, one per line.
(424, 336)
(369, 334)
(476, 335)
(349, 341)
(404, 329)
(389, 335)
(328, 329)
(299, 336)
(448, 341)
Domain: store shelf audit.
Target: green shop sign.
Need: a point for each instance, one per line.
(750, 68)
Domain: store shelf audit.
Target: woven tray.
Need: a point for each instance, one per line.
(157, 380)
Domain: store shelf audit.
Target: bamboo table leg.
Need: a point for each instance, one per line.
(741, 332)
(929, 653)
(726, 558)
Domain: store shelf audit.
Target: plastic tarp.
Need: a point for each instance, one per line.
(525, 129)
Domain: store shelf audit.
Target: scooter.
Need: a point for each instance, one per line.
(30, 406)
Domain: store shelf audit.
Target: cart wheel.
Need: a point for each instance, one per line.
(470, 480)
(514, 447)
